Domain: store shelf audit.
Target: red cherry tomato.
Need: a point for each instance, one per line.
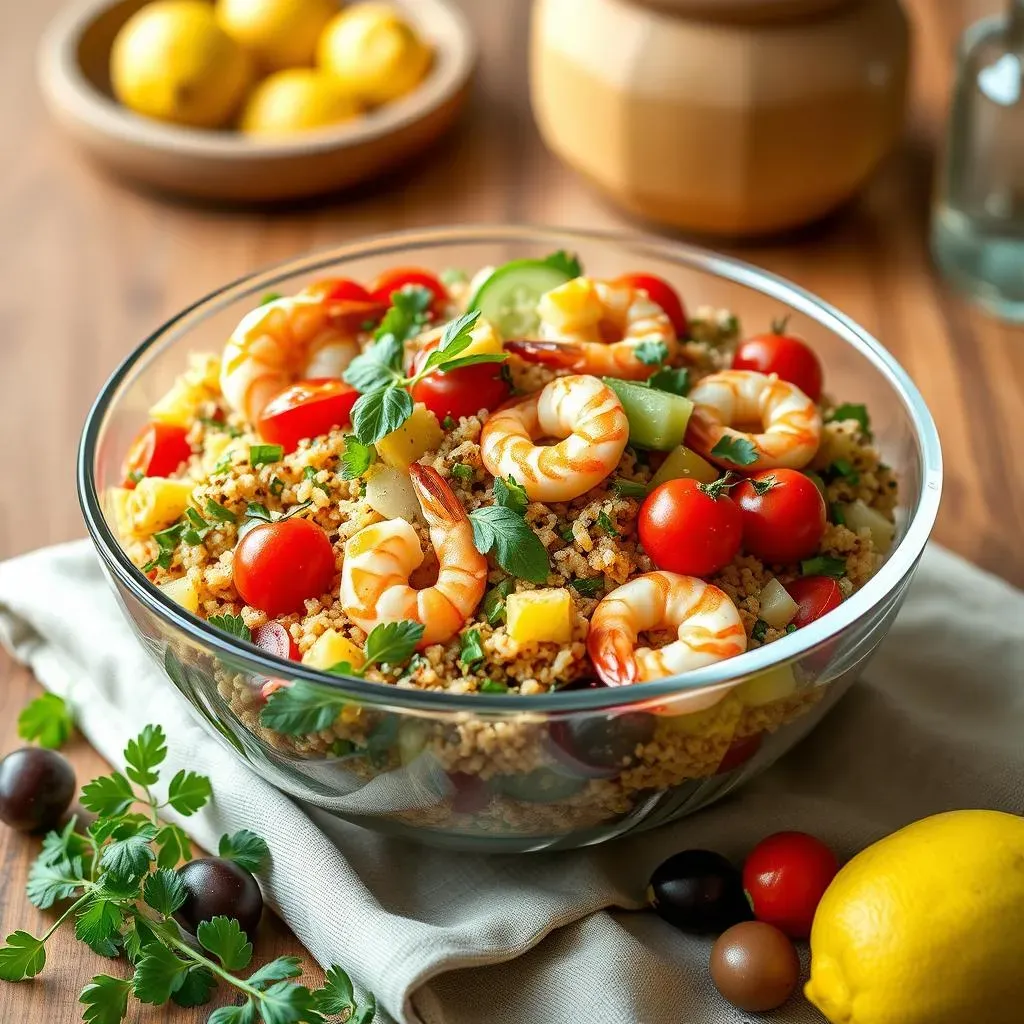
(462, 392)
(789, 357)
(278, 566)
(785, 877)
(306, 409)
(690, 528)
(158, 450)
(405, 277)
(273, 638)
(785, 522)
(739, 753)
(341, 289)
(663, 294)
(815, 596)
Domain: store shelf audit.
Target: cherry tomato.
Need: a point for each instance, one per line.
(404, 277)
(462, 392)
(280, 565)
(815, 595)
(273, 638)
(341, 289)
(785, 877)
(663, 294)
(350, 307)
(789, 357)
(690, 528)
(306, 409)
(740, 752)
(784, 522)
(158, 450)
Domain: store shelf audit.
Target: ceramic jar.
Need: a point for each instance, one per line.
(727, 117)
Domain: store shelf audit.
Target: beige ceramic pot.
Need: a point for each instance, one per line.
(731, 117)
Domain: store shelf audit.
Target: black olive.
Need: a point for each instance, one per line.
(698, 891)
(603, 741)
(36, 788)
(219, 887)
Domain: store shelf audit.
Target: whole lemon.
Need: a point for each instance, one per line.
(926, 926)
(277, 34)
(296, 100)
(172, 61)
(373, 52)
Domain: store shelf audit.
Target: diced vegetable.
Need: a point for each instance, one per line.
(183, 592)
(485, 340)
(540, 615)
(419, 434)
(657, 419)
(330, 649)
(119, 510)
(389, 491)
(509, 296)
(198, 384)
(768, 687)
(778, 609)
(683, 463)
(157, 502)
(859, 516)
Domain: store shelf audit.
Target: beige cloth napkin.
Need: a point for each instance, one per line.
(442, 938)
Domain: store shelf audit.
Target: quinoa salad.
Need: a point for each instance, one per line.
(517, 483)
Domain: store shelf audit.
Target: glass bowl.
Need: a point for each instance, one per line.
(508, 772)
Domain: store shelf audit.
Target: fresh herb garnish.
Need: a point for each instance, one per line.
(675, 380)
(265, 454)
(257, 510)
(232, 624)
(510, 494)
(824, 565)
(588, 587)
(567, 535)
(166, 541)
(836, 514)
(494, 600)
(270, 297)
(471, 651)
(850, 411)
(651, 353)
(357, 458)
(448, 422)
(211, 423)
(462, 471)
(517, 549)
(759, 631)
(493, 686)
(225, 515)
(47, 720)
(567, 262)
(737, 450)
(310, 473)
(843, 469)
(276, 486)
(605, 522)
(630, 488)
(246, 849)
(224, 464)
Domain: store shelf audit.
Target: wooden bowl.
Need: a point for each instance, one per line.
(226, 165)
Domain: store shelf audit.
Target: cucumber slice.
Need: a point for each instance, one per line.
(509, 296)
(682, 463)
(657, 419)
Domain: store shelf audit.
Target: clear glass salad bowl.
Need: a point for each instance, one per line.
(508, 772)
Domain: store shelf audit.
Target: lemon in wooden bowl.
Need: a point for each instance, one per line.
(296, 100)
(277, 34)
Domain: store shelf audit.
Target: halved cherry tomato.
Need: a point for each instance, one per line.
(341, 289)
(785, 877)
(404, 277)
(462, 392)
(158, 450)
(789, 357)
(785, 522)
(815, 596)
(306, 409)
(278, 566)
(275, 639)
(663, 294)
(690, 528)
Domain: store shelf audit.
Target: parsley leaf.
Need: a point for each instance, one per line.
(277, 970)
(22, 957)
(108, 795)
(218, 511)
(63, 845)
(223, 936)
(302, 708)
(737, 450)
(378, 367)
(311, 473)
(588, 587)
(105, 1000)
(246, 849)
(164, 891)
(455, 340)
(448, 422)
(471, 651)
(131, 856)
(256, 510)
(494, 600)
(188, 792)
(173, 845)
(824, 565)
(510, 494)
(493, 686)
(844, 469)
(52, 880)
(265, 454)
(517, 549)
(850, 411)
(97, 924)
(357, 458)
(46, 719)
(605, 522)
(651, 353)
(675, 380)
(144, 753)
(196, 987)
(567, 262)
(392, 643)
(158, 974)
(377, 413)
(232, 624)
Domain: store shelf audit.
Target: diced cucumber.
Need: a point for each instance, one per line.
(508, 297)
(682, 463)
(858, 515)
(657, 419)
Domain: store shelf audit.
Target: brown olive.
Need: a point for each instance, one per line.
(755, 966)
(219, 887)
(36, 787)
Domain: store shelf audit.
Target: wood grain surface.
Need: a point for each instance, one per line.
(87, 268)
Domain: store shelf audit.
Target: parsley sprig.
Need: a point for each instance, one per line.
(47, 720)
(502, 528)
(118, 880)
(737, 450)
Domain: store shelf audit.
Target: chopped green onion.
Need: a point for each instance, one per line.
(589, 586)
(265, 454)
(843, 468)
(309, 473)
(836, 513)
(225, 515)
(257, 510)
(471, 651)
(493, 686)
(630, 488)
(276, 486)
(606, 524)
(824, 565)
(494, 600)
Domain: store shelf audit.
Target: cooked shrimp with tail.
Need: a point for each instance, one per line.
(706, 621)
(380, 558)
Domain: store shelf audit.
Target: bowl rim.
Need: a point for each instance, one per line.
(897, 567)
(70, 94)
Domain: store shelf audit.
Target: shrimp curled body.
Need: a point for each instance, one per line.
(294, 338)
(790, 421)
(380, 558)
(708, 627)
(581, 410)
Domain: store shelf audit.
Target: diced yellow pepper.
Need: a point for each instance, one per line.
(485, 340)
(419, 434)
(118, 510)
(330, 649)
(178, 407)
(768, 687)
(184, 592)
(204, 371)
(540, 615)
(157, 502)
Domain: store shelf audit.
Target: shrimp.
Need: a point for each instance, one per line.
(582, 410)
(707, 624)
(297, 337)
(790, 421)
(380, 558)
(598, 327)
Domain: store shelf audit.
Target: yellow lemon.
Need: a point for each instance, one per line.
(296, 100)
(172, 61)
(276, 33)
(926, 926)
(373, 52)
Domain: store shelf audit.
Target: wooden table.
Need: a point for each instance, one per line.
(87, 268)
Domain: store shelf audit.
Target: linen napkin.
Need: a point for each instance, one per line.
(444, 938)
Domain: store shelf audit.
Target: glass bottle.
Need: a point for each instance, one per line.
(977, 233)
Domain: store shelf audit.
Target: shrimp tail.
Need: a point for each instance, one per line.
(613, 657)
(563, 355)
(435, 496)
